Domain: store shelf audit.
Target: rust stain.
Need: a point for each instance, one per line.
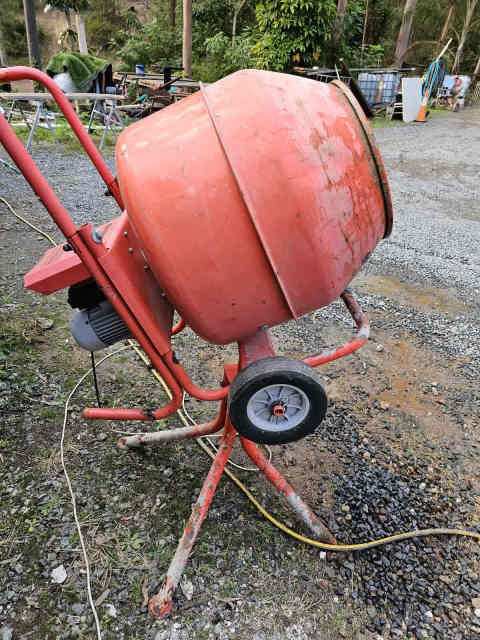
(315, 139)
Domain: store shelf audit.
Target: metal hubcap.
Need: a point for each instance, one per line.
(278, 407)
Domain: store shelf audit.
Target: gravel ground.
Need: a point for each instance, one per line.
(398, 450)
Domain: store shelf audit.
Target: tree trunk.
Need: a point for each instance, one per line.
(82, 38)
(448, 19)
(476, 74)
(365, 21)
(3, 51)
(32, 33)
(337, 31)
(70, 40)
(187, 38)
(236, 13)
(419, 43)
(471, 4)
(477, 68)
(406, 27)
(173, 8)
(68, 18)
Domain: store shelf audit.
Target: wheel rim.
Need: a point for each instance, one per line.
(278, 407)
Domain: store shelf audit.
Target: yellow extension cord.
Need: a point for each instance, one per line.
(315, 543)
(27, 222)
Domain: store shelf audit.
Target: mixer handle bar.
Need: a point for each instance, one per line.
(355, 343)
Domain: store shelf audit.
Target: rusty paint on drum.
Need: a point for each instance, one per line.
(255, 200)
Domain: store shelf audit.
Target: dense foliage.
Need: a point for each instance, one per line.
(293, 31)
(281, 34)
(12, 27)
(273, 34)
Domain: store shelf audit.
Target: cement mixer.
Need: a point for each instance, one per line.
(246, 205)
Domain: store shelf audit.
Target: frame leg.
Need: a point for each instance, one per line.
(117, 116)
(302, 510)
(161, 604)
(10, 113)
(52, 130)
(34, 126)
(106, 128)
(92, 114)
(181, 433)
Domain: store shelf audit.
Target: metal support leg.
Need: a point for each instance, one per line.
(302, 510)
(25, 118)
(92, 113)
(36, 118)
(161, 604)
(106, 128)
(254, 348)
(181, 433)
(10, 113)
(117, 116)
(52, 130)
(9, 166)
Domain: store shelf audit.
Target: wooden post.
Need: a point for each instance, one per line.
(82, 38)
(3, 51)
(187, 38)
(172, 11)
(32, 33)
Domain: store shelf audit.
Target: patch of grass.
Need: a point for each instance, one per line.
(380, 122)
(438, 111)
(66, 136)
(49, 413)
(12, 339)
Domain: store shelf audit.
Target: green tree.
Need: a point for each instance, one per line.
(13, 33)
(230, 29)
(383, 22)
(349, 44)
(224, 56)
(108, 27)
(468, 25)
(78, 7)
(293, 31)
(155, 41)
(12, 23)
(215, 16)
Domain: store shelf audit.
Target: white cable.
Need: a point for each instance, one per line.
(72, 493)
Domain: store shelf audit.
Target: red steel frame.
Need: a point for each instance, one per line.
(176, 378)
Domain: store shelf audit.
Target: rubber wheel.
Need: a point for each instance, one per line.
(277, 400)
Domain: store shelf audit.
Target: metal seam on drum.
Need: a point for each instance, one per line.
(382, 176)
(247, 201)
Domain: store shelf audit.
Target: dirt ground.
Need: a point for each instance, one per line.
(399, 449)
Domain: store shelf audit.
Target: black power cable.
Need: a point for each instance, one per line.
(95, 381)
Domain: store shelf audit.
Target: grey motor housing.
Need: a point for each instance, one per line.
(98, 327)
